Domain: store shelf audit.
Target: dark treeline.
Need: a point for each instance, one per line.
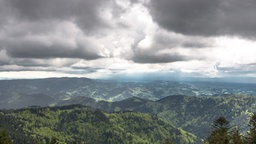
(223, 133)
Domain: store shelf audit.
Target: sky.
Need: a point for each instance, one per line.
(123, 38)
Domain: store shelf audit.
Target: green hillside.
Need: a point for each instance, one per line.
(79, 124)
(191, 113)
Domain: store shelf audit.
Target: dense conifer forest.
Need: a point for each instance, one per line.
(79, 124)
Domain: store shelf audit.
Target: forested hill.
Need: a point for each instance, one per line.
(191, 113)
(79, 124)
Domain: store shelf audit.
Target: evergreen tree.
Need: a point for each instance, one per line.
(4, 139)
(168, 141)
(219, 135)
(54, 140)
(235, 137)
(251, 139)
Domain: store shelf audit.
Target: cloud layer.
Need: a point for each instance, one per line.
(205, 17)
(98, 38)
(83, 12)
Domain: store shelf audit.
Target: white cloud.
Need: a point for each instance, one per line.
(233, 51)
(34, 74)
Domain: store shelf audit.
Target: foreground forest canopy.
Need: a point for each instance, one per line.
(79, 124)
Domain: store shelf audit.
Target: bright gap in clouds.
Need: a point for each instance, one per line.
(233, 51)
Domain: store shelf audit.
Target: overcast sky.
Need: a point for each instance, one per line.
(106, 38)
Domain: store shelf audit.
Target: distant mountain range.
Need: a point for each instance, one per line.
(43, 92)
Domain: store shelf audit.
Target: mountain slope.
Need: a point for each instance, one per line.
(193, 114)
(78, 124)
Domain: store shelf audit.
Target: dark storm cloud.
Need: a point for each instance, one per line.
(30, 63)
(87, 69)
(4, 12)
(20, 69)
(4, 62)
(157, 58)
(161, 41)
(83, 12)
(38, 49)
(164, 48)
(206, 17)
(195, 44)
(4, 59)
(48, 46)
(43, 29)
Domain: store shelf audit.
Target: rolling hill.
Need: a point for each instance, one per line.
(22, 93)
(191, 113)
(79, 124)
